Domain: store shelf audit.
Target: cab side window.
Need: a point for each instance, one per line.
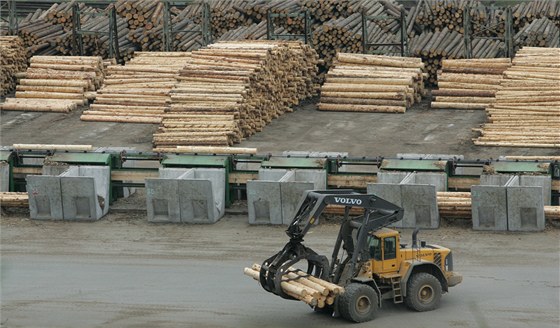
(374, 248)
(390, 246)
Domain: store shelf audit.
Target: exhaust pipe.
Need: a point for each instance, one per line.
(414, 238)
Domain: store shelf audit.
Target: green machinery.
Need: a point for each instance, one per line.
(130, 169)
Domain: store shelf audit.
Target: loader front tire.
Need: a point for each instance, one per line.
(358, 303)
(423, 292)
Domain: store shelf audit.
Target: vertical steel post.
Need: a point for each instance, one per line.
(77, 40)
(467, 32)
(166, 27)
(508, 33)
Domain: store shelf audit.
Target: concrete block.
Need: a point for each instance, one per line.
(264, 201)
(545, 182)
(391, 176)
(494, 179)
(202, 195)
(45, 197)
(54, 169)
(439, 180)
(173, 173)
(429, 156)
(196, 201)
(420, 206)
(162, 200)
(525, 207)
(4, 176)
(271, 174)
(389, 192)
(162, 195)
(317, 177)
(489, 208)
(274, 198)
(85, 192)
(291, 195)
(102, 179)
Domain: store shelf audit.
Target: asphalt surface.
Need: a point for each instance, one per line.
(127, 273)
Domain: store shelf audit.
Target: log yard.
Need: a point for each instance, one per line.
(280, 163)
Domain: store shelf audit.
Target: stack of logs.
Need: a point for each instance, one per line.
(231, 90)
(12, 60)
(433, 47)
(469, 83)
(302, 286)
(137, 92)
(39, 35)
(526, 112)
(540, 33)
(14, 199)
(454, 204)
(56, 84)
(370, 83)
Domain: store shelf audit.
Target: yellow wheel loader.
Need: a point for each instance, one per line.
(368, 259)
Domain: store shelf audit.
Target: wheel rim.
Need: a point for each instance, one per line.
(426, 294)
(363, 304)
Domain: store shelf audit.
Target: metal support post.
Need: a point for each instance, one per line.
(402, 44)
(305, 37)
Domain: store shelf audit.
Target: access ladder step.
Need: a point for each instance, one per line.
(397, 292)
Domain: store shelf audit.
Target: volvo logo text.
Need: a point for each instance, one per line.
(348, 201)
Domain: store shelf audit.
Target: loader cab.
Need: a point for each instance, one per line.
(384, 248)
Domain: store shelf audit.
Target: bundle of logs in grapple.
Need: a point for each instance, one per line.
(137, 92)
(526, 112)
(230, 90)
(302, 286)
(370, 83)
(469, 83)
(56, 84)
(12, 60)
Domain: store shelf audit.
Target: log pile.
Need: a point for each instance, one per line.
(302, 286)
(525, 12)
(439, 14)
(468, 83)
(454, 204)
(457, 205)
(56, 84)
(433, 47)
(39, 35)
(552, 212)
(14, 199)
(230, 90)
(139, 91)
(541, 32)
(98, 44)
(526, 112)
(13, 60)
(370, 83)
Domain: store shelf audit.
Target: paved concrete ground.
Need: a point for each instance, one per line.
(419, 130)
(125, 272)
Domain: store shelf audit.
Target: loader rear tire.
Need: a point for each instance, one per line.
(358, 303)
(423, 292)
